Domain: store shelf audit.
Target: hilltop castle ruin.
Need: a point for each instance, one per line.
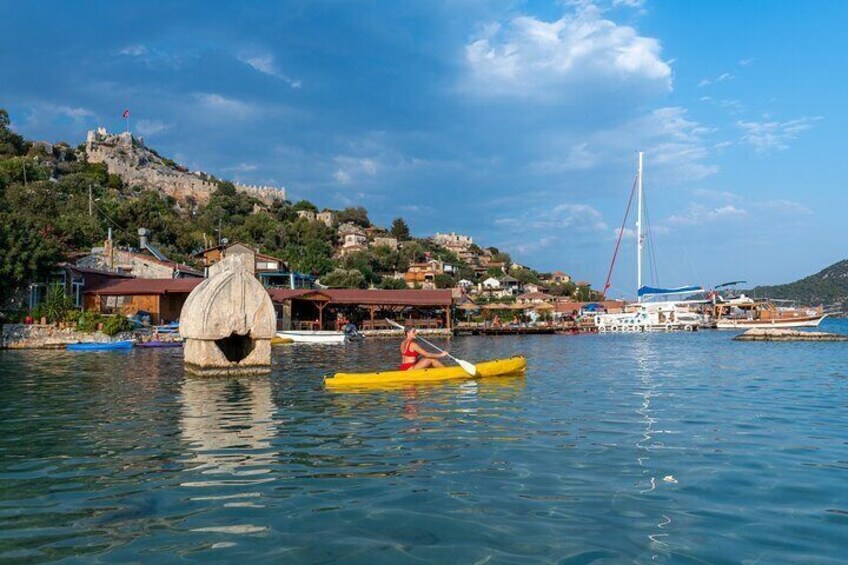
(126, 156)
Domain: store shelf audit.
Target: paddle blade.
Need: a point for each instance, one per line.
(469, 368)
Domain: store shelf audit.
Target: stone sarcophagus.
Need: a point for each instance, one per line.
(228, 322)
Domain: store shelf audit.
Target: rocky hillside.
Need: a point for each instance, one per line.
(828, 287)
(141, 167)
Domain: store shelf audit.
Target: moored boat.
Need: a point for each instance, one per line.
(101, 346)
(158, 343)
(743, 312)
(327, 337)
(495, 368)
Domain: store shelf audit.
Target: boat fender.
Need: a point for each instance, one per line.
(602, 329)
(648, 329)
(614, 329)
(668, 327)
(687, 327)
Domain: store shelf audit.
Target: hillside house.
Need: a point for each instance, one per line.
(306, 215)
(145, 262)
(424, 274)
(559, 277)
(327, 217)
(534, 298)
(271, 271)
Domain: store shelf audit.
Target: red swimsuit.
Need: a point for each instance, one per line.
(409, 353)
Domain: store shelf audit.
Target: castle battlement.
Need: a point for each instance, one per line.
(126, 156)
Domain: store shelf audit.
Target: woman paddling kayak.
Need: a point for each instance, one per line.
(412, 356)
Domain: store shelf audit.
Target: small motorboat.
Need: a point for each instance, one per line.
(496, 368)
(325, 337)
(157, 343)
(101, 346)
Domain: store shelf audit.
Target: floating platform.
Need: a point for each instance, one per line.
(788, 335)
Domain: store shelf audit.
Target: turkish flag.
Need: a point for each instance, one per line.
(126, 114)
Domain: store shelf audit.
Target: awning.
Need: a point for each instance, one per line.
(651, 291)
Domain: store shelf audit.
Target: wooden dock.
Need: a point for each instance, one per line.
(480, 329)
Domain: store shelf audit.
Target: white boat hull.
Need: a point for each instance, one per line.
(327, 337)
(726, 324)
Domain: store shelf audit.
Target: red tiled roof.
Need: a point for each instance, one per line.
(283, 294)
(145, 286)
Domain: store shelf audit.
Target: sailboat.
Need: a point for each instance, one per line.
(653, 311)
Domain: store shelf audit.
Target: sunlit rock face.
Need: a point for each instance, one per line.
(228, 322)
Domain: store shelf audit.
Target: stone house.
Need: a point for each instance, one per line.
(271, 271)
(390, 242)
(306, 215)
(327, 216)
(534, 298)
(424, 274)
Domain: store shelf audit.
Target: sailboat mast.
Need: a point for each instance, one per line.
(639, 230)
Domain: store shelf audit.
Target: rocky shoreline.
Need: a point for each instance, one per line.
(788, 335)
(37, 336)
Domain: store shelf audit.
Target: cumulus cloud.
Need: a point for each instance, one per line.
(769, 136)
(526, 56)
(674, 145)
(264, 63)
(134, 50)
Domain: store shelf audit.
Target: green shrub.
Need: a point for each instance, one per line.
(88, 321)
(116, 324)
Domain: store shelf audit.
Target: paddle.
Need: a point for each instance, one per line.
(469, 368)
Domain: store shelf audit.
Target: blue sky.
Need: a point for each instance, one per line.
(514, 122)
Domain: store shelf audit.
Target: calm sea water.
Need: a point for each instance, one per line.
(657, 448)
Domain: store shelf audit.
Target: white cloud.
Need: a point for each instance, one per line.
(699, 214)
(221, 104)
(349, 169)
(242, 168)
(134, 50)
(720, 78)
(577, 217)
(769, 136)
(152, 56)
(530, 57)
(745, 62)
(628, 3)
(785, 207)
(716, 194)
(264, 63)
(150, 127)
(46, 113)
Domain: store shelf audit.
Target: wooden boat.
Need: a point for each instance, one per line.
(326, 337)
(743, 312)
(102, 346)
(496, 368)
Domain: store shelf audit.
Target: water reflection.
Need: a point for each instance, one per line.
(648, 365)
(228, 426)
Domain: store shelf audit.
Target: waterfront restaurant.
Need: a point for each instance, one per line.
(163, 299)
(328, 309)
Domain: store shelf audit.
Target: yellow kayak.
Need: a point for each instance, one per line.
(496, 368)
(281, 340)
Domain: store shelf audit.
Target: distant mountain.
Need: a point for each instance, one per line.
(828, 287)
